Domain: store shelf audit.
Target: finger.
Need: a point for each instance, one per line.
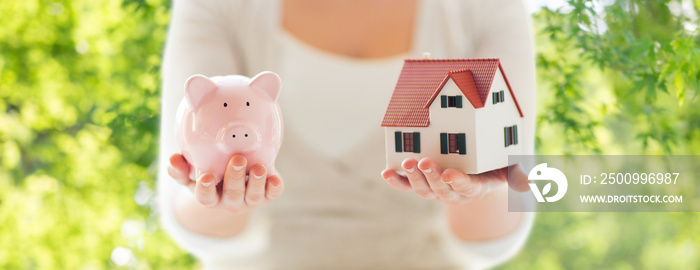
(497, 176)
(396, 181)
(432, 172)
(205, 190)
(191, 185)
(233, 192)
(185, 181)
(417, 179)
(464, 184)
(177, 176)
(273, 187)
(255, 190)
(179, 169)
(179, 162)
(517, 179)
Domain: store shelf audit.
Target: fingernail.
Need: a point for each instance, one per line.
(428, 170)
(448, 181)
(206, 184)
(257, 176)
(410, 170)
(274, 182)
(383, 174)
(238, 163)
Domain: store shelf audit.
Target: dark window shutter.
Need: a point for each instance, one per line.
(503, 96)
(443, 101)
(443, 143)
(510, 136)
(397, 138)
(505, 135)
(416, 142)
(462, 143)
(458, 101)
(515, 134)
(494, 97)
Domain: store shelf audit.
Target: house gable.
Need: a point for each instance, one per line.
(510, 90)
(465, 82)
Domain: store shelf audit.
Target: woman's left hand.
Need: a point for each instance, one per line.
(451, 186)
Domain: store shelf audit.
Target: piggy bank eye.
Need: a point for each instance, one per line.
(247, 103)
(225, 105)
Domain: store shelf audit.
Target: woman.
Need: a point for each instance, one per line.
(339, 61)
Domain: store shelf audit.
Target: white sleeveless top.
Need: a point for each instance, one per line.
(336, 212)
(335, 102)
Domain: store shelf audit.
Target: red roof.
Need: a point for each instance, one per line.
(421, 80)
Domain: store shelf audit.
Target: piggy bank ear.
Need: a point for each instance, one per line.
(267, 82)
(196, 87)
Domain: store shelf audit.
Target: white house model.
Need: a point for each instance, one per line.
(462, 113)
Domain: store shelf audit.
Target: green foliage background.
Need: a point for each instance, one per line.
(79, 82)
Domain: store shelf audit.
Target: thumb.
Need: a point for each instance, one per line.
(517, 179)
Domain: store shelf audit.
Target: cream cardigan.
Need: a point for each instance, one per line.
(339, 214)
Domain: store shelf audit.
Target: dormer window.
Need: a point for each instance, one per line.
(450, 101)
(498, 97)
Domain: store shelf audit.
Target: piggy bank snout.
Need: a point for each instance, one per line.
(240, 137)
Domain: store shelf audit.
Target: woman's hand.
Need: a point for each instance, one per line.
(451, 186)
(233, 194)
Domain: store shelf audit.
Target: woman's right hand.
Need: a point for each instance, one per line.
(235, 195)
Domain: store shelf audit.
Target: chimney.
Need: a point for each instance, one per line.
(426, 55)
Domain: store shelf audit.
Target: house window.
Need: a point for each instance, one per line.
(510, 135)
(453, 143)
(498, 97)
(450, 101)
(407, 142)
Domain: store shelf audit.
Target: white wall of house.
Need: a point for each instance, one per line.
(490, 121)
(447, 120)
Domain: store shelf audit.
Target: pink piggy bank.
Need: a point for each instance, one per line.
(223, 116)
